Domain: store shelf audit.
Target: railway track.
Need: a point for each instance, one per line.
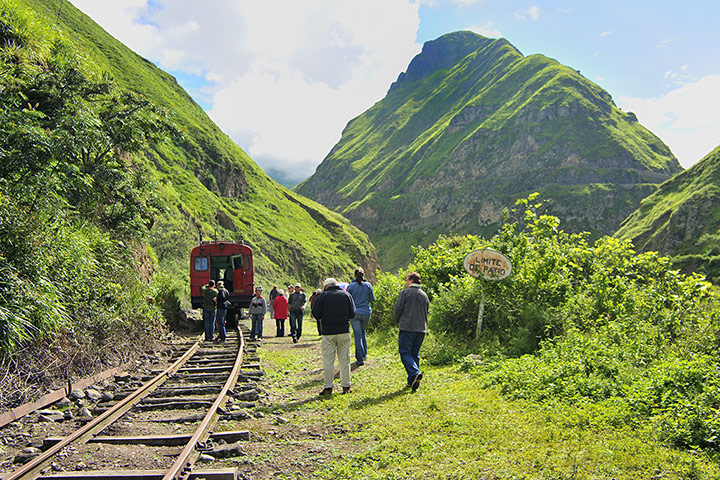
(160, 428)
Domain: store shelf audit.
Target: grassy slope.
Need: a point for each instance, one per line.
(401, 151)
(656, 209)
(674, 219)
(208, 181)
(450, 428)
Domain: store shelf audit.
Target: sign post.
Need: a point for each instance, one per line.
(490, 265)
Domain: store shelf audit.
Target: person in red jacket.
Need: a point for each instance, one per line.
(280, 308)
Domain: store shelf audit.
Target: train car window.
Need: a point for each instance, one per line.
(237, 262)
(221, 262)
(242, 262)
(201, 264)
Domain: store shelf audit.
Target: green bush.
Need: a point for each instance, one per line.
(75, 199)
(595, 325)
(387, 289)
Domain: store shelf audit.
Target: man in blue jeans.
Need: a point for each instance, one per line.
(221, 310)
(209, 302)
(411, 313)
(296, 305)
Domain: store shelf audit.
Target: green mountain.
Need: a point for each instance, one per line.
(682, 218)
(207, 183)
(470, 127)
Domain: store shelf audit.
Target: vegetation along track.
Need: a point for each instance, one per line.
(160, 428)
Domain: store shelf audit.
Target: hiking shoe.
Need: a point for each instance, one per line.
(294, 340)
(346, 390)
(325, 391)
(416, 382)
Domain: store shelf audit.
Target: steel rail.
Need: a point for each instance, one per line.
(181, 469)
(52, 397)
(33, 468)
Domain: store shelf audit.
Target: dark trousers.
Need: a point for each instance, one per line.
(280, 325)
(296, 318)
(220, 323)
(409, 344)
(209, 321)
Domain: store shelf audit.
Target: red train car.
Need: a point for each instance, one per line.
(231, 262)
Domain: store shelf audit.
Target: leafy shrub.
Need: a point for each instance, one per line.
(387, 289)
(441, 349)
(75, 199)
(586, 324)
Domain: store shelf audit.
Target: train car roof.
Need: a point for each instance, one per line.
(221, 247)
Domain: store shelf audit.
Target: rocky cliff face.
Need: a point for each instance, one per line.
(471, 126)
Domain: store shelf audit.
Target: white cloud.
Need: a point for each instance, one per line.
(487, 30)
(284, 77)
(118, 18)
(534, 13)
(685, 118)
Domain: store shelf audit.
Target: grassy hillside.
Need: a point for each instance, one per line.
(208, 183)
(451, 428)
(472, 126)
(682, 218)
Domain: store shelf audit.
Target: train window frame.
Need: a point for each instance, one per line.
(237, 262)
(206, 264)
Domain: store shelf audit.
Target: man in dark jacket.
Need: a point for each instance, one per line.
(296, 305)
(333, 309)
(222, 296)
(411, 313)
(209, 301)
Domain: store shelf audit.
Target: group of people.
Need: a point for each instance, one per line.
(215, 302)
(281, 305)
(336, 310)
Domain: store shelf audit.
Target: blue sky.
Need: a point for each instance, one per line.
(283, 77)
(627, 47)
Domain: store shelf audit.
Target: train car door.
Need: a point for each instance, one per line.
(199, 276)
(243, 273)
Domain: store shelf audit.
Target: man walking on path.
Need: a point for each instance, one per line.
(223, 296)
(334, 308)
(296, 301)
(411, 313)
(209, 300)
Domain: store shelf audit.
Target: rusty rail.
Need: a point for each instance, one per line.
(33, 468)
(183, 465)
(52, 397)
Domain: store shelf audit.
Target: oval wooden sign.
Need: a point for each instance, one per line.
(488, 264)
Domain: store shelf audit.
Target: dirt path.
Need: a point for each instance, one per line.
(288, 435)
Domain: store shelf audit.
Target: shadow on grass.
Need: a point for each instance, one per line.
(367, 402)
(319, 376)
(287, 407)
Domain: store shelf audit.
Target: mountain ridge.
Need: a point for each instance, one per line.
(682, 218)
(448, 149)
